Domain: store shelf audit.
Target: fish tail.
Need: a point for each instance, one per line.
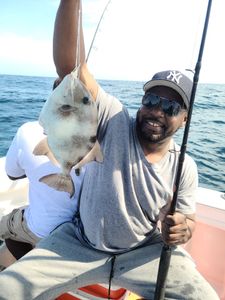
(59, 182)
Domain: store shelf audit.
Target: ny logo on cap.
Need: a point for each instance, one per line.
(174, 76)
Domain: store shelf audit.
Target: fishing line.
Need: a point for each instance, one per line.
(78, 39)
(97, 28)
(77, 62)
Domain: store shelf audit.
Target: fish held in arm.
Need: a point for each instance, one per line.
(69, 119)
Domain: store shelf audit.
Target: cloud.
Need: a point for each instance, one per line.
(135, 40)
(25, 53)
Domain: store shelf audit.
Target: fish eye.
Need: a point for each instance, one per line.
(65, 107)
(85, 100)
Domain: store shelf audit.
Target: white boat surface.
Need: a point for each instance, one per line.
(207, 246)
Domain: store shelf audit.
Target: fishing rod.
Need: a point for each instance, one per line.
(165, 257)
(96, 31)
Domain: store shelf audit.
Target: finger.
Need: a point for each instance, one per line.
(180, 228)
(175, 219)
(177, 238)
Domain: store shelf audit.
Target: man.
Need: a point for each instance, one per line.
(25, 226)
(114, 238)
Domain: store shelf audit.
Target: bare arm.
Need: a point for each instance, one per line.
(65, 37)
(65, 42)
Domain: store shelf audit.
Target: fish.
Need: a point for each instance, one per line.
(69, 119)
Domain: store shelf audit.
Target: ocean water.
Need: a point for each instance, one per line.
(22, 97)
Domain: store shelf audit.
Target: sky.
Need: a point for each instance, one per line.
(135, 39)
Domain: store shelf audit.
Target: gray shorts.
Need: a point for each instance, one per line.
(14, 226)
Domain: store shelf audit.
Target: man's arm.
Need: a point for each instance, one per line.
(13, 168)
(65, 41)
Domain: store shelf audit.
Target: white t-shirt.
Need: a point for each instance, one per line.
(48, 207)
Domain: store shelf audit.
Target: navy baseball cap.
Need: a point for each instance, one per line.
(174, 80)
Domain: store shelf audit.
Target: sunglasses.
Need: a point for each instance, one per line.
(170, 107)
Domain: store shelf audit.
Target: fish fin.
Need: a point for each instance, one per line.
(59, 182)
(94, 154)
(80, 164)
(42, 148)
(98, 152)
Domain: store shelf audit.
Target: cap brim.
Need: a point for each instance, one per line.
(159, 82)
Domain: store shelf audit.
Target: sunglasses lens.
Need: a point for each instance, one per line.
(169, 107)
(174, 109)
(150, 100)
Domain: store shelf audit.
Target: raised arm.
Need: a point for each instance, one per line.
(65, 42)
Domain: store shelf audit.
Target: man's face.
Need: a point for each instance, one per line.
(153, 124)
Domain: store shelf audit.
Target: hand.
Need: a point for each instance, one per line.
(176, 229)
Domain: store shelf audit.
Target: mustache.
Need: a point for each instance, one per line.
(149, 118)
(152, 119)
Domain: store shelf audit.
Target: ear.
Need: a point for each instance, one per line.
(184, 120)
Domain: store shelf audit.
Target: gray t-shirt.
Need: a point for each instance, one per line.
(121, 197)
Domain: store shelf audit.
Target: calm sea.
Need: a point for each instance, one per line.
(22, 97)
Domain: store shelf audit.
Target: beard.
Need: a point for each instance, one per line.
(147, 135)
(152, 130)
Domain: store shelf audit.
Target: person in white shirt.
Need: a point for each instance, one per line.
(47, 207)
